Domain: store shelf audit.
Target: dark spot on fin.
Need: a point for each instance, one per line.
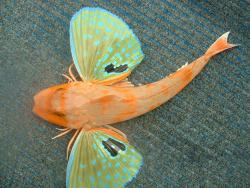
(110, 68)
(118, 144)
(113, 146)
(111, 150)
(121, 68)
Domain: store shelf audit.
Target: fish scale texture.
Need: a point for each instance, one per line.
(200, 138)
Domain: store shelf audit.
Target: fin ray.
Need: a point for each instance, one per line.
(99, 159)
(102, 45)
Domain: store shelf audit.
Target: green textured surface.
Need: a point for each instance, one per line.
(198, 139)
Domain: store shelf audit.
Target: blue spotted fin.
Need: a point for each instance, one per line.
(102, 158)
(102, 45)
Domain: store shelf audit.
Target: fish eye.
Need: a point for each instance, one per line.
(59, 114)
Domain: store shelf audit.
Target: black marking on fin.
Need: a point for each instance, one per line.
(111, 150)
(110, 68)
(113, 146)
(118, 144)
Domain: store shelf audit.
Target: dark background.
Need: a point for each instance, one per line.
(200, 138)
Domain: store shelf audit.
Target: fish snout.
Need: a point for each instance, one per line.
(42, 101)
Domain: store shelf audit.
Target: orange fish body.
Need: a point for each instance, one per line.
(89, 105)
(105, 51)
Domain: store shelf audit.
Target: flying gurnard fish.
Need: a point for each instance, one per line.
(105, 51)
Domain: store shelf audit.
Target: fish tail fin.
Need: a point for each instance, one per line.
(219, 45)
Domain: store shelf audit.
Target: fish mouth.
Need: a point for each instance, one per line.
(42, 104)
(38, 108)
(35, 106)
(42, 107)
(40, 101)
